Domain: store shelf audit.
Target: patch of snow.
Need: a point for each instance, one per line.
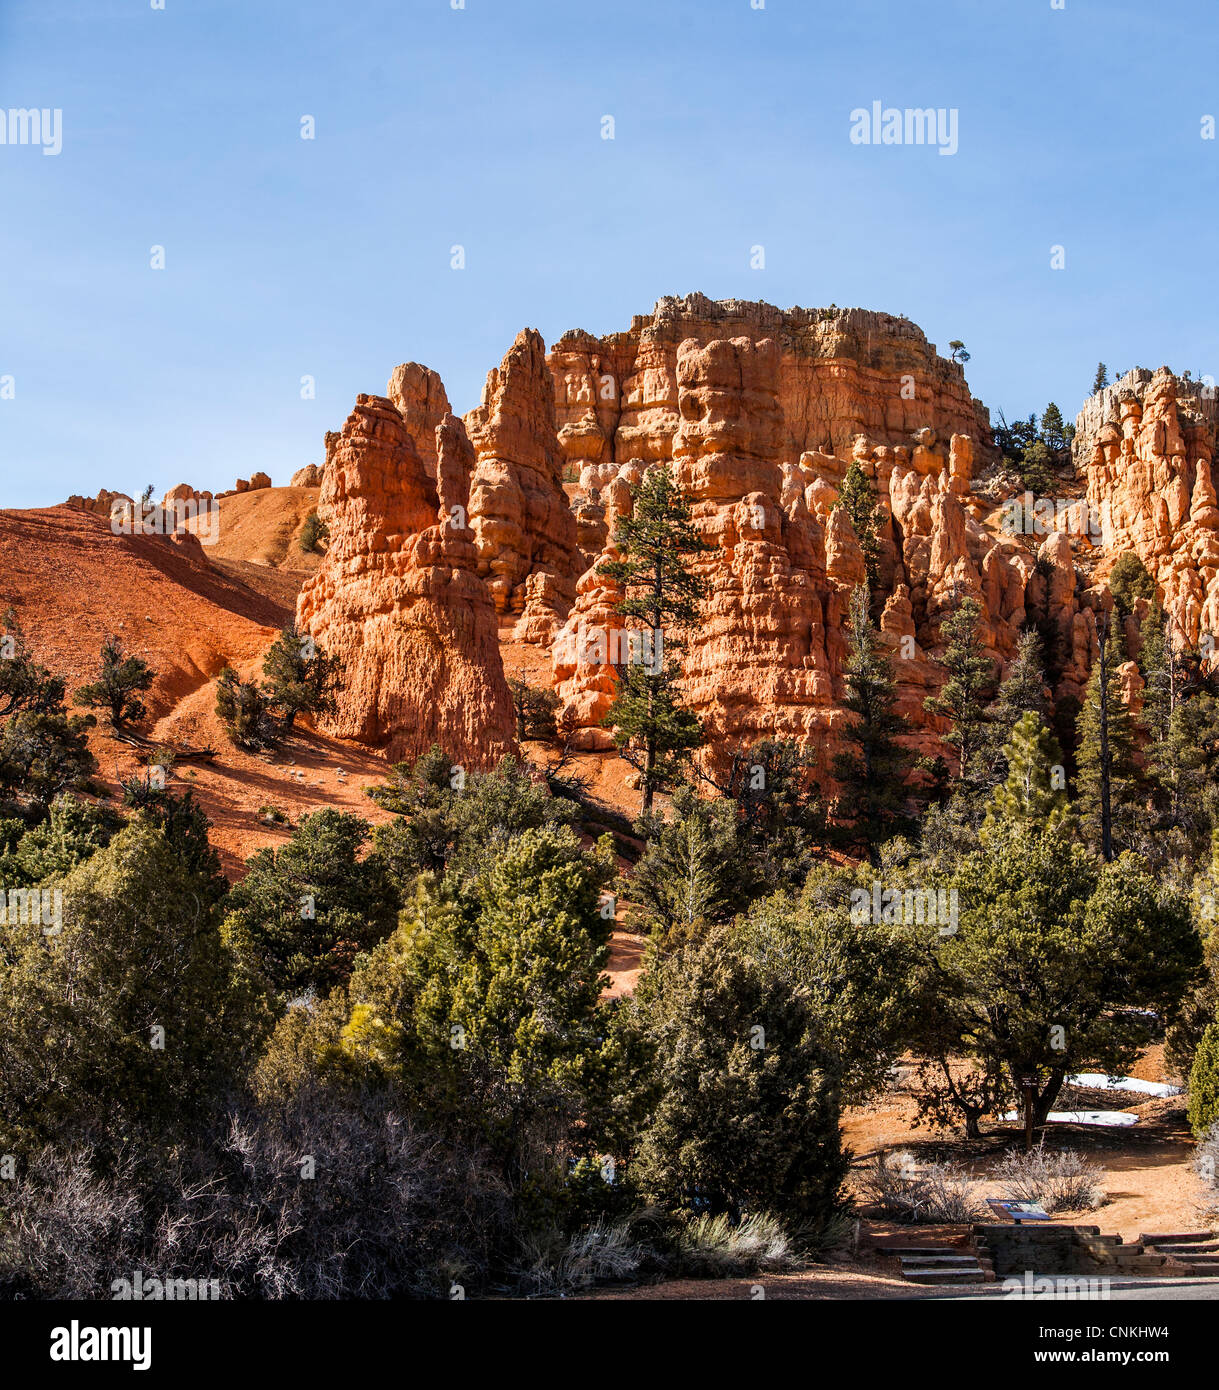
(1084, 1117)
(1098, 1081)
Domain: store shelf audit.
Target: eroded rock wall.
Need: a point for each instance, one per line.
(398, 599)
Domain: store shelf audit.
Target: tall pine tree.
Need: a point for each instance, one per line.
(873, 768)
(1034, 796)
(1053, 429)
(1158, 667)
(856, 499)
(1107, 773)
(961, 698)
(653, 730)
(1021, 690)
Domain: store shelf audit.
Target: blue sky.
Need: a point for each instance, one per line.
(1078, 127)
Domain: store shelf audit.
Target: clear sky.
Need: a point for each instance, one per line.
(1078, 127)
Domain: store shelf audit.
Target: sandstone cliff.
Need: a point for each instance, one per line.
(841, 372)
(522, 519)
(443, 544)
(761, 428)
(1146, 446)
(398, 599)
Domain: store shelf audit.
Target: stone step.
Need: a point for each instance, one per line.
(1180, 1238)
(922, 1250)
(1188, 1257)
(975, 1275)
(1200, 1248)
(926, 1258)
(1197, 1271)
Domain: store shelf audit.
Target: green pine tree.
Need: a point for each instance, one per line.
(120, 682)
(1129, 581)
(244, 710)
(1101, 379)
(300, 677)
(855, 497)
(1157, 666)
(313, 533)
(1204, 1083)
(1184, 768)
(1107, 772)
(873, 768)
(657, 543)
(961, 698)
(690, 876)
(1034, 794)
(1022, 689)
(1052, 428)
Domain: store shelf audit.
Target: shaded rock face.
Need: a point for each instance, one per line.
(398, 599)
(528, 551)
(1147, 448)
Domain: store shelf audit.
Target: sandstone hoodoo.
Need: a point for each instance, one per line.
(421, 400)
(1147, 444)
(762, 427)
(398, 599)
(443, 543)
(528, 550)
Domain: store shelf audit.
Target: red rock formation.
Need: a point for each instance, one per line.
(420, 397)
(766, 657)
(526, 533)
(759, 412)
(842, 372)
(1148, 445)
(760, 661)
(102, 504)
(398, 600)
(309, 476)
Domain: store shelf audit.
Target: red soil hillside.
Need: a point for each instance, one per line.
(72, 581)
(263, 528)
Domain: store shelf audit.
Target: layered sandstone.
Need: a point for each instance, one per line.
(766, 656)
(761, 660)
(841, 372)
(421, 400)
(398, 599)
(1147, 448)
(528, 550)
(760, 413)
